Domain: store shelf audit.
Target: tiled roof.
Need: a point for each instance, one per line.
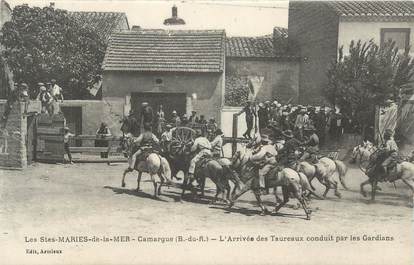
(104, 22)
(249, 47)
(166, 50)
(280, 32)
(373, 8)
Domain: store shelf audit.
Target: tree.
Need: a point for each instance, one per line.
(367, 77)
(46, 43)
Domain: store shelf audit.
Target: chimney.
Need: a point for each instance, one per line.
(52, 4)
(174, 11)
(136, 28)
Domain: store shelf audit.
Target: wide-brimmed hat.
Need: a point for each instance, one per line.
(218, 132)
(288, 134)
(261, 105)
(168, 126)
(174, 112)
(144, 104)
(42, 88)
(66, 128)
(40, 84)
(24, 85)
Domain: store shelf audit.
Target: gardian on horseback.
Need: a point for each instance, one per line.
(202, 165)
(264, 156)
(146, 159)
(312, 146)
(385, 165)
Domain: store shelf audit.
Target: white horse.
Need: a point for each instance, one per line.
(155, 165)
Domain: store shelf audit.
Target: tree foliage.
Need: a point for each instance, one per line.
(368, 76)
(46, 43)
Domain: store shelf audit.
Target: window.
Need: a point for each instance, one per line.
(401, 36)
(158, 81)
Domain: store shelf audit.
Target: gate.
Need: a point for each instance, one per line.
(49, 138)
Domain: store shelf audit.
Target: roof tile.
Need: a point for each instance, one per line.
(166, 50)
(373, 8)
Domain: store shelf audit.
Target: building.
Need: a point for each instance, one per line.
(265, 64)
(182, 70)
(317, 29)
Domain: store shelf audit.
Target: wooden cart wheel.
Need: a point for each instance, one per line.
(182, 136)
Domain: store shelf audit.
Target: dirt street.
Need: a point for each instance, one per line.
(87, 200)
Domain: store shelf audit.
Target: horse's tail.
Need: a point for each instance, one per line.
(341, 169)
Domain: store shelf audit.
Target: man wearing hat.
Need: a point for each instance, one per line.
(301, 121)
(217, 143)
(312, 145)
(147, 115)
(265, 156)
(202, 148)
(287, 154)
(145, 141)
(66, 137)
(263, 116)
(249, 116)
(45, 98)
(320, 124)
(391, 152)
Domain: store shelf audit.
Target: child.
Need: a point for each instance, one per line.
(66, 143)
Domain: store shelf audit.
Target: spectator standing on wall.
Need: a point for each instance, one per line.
(45, 98)
(175, 119)
(250, 114)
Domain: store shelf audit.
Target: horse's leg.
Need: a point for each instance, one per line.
(155, 185)
(184, 186)
(373, 189)
(335, 186)
(139, 180)
(260, 202)
(310, 182)
(327, 186)
(202, 185)
(278, 200)
(123, 177)
(410, 183)
(161, 183)
(285, 199)
(300, 198)
(363, 184)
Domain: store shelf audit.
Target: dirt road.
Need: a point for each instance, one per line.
(87, 200)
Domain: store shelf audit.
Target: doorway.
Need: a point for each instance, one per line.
(73, 116)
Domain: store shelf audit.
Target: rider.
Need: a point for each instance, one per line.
(288, 151)
(217, 143)
(312, 145)
(202, 146)
(264, 155)
(145, 142)
(391, 149)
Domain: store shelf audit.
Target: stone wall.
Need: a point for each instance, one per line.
(13, 152)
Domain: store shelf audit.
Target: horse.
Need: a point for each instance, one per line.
(154, 164)
(319, 171)
(361, 153)
(179, 157)
(403, 171)
(292, 182)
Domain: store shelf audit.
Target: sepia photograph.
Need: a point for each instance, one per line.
(206, 132)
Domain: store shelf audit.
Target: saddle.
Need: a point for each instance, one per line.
(203, 161)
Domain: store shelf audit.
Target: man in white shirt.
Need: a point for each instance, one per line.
(217, 143)
(265, 156)
(202, 146)
(56, 91)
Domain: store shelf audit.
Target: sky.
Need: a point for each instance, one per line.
(238, 18)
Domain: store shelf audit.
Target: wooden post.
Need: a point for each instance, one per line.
(234, 134)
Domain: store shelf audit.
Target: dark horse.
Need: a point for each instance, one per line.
(179, 158)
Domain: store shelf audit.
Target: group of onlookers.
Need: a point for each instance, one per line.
(49, 94)
(296, 118)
